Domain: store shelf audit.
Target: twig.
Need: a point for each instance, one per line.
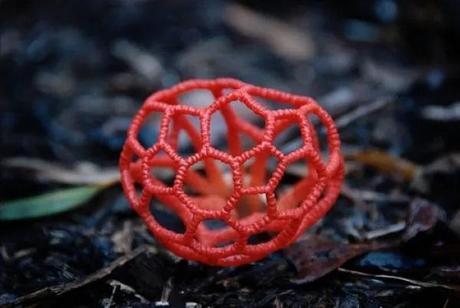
(446, 303)
(114, 289)
(417, 283)
(165, 294)
(127, 289)
(362, 111)
(391, 229)
(373, 196)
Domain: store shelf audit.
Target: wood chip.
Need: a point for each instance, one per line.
(285, 40)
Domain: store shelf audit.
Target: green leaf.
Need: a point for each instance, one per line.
(49, 203)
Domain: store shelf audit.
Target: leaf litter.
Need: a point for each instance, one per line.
(390, 241)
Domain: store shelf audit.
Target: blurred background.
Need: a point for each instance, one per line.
(73, 74)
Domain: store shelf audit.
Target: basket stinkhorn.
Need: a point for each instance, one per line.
(229, 188)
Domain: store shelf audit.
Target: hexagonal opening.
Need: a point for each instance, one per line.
(258, 169)
(219, 131)
(289, 137)
(163, 168)
(247, 114)
(150, 129)
(262, 237)
(184, 134)
(295, 185)
(250, 204)
(138, 188)
(198, 98)
(226, 133)
(209, 183)
(214, 224)
(319, 134)
(216, 233)
(167, 217)
(135, 166)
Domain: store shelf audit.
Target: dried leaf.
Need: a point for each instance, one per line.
(315, 256)
(422, 217)
(83, 173)
(47, 204)
(123, 238)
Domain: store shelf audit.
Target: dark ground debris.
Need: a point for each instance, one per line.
(73, 73)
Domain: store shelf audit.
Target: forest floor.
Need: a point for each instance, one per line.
(74, 74)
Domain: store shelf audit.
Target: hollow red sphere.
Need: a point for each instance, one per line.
(224, 172)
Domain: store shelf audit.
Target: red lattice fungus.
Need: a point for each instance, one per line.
(218, 166)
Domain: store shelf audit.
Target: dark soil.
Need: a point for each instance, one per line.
(73, 73)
